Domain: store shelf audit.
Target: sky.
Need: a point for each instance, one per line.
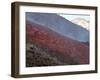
(70, 17)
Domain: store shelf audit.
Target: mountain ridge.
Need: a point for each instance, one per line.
(60, 25)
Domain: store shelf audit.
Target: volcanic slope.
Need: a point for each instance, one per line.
(45, 47)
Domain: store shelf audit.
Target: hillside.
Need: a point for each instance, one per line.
(46, 47)
(59, 25)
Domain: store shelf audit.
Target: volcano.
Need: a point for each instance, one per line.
(46, 47)
(60, 25)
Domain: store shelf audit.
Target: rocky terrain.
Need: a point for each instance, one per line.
(46, 47)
